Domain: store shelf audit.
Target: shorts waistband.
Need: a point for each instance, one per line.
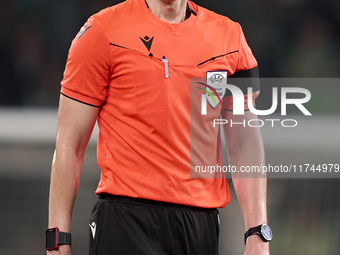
(148, 202)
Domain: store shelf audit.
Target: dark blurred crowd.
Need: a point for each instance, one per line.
(290, 38)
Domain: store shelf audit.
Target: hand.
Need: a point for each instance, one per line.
(256, 246)
(62, 250)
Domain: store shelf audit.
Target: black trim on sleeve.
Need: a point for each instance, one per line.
(79, 100)
(245, 79)
(250, 73)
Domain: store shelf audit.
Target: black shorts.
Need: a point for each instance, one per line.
(129, 226)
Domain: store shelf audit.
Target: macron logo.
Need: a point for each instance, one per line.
(147, 42)
(93, 227)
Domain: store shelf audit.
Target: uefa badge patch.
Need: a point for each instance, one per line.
(215, 89)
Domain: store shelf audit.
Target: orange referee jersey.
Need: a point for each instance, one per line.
(116, 63)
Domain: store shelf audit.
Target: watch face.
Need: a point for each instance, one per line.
(266, 232)
(51, 239)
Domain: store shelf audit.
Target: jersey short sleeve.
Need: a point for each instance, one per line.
(246, 59)
(87, 71)
(246, 73)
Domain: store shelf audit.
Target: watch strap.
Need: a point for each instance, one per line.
(252, 231)
(64, 238)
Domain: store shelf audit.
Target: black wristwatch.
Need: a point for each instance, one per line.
(54, 238)
(263, 231)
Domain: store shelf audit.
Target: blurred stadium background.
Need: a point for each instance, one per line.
(290, 38)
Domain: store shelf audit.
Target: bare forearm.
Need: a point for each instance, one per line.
(64, 185)
(251, 192)
(245, 149)
(252, 196)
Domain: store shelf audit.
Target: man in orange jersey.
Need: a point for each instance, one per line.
(131, 69)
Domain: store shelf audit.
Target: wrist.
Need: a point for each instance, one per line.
(256, 240)
(62, 249)
(255, 245)
(262, 231)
